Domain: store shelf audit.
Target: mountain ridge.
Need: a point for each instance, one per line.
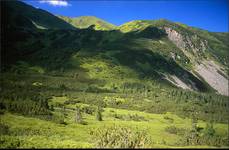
(86, 21)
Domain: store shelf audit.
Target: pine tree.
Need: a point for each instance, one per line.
(99, 114)
(78, 117)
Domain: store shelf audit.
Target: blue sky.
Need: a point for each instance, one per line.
(211, 15)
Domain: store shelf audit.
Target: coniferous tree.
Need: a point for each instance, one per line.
(78, 117)
(99, 114)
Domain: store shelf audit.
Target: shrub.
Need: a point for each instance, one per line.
(211, 138)
(129, 117)
(206, 137)
(136, 117)
(58, 118)
(120, 137)
(171, 120)
(175, 130)
(2, 111)
(118, 116)
(88, 109)
(215, 140)
(209, 130)
(4, 129)
(63, 87)
(9, 142)
(99, 114)
(78, 116)
(191, 137)
(71, 102)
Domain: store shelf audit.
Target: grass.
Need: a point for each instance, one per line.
(86, 21)
(32, 132)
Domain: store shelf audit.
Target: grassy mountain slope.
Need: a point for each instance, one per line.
(217, 43)
(70, 88)
(86, 21)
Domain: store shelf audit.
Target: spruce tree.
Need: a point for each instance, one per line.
(78, 117)
(99, 114)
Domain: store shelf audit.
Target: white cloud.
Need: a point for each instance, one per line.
(63, 3)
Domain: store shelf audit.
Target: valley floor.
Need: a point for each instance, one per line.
(30, 132)
(60, 112)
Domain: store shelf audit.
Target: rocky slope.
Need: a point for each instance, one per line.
(199, 50)
(209, 70)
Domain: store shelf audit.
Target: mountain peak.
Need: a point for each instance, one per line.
(86, 21)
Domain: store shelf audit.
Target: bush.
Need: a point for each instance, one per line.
(120, 137)
(99, 114)
(215, 140)
(175, 130)
(9, 142)
(58, 118)
(4, 129)
(171, 120)
(88, 109)
(136, 117)
(129, 117)
(210, 138)
(209, 130)
(78, 117)
(206, 137)
(118, 116)
(63, 87)
(71, 102)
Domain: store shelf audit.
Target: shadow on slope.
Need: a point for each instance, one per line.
(52, 49)
(19, 14)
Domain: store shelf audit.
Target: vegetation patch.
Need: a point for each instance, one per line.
(120, 137)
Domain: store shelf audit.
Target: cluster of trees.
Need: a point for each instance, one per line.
(24, 100)
(183, 103)
(137, 96)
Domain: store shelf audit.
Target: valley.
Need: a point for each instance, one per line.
(86, 83)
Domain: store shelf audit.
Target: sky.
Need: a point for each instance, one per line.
(210, 15)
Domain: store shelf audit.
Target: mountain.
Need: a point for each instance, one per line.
(90, 84)
(141, 49)
(19, 14)
(86, 21)
(206, 51)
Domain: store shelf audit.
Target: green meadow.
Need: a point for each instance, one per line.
(57, 117)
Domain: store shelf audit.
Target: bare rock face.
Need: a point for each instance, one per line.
(177, 82)
(192, 46)
(175, 37)
(215, 77)
(185, 42)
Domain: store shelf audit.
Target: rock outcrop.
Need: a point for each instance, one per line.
(185, 42)
(192, 46)
(212, 74)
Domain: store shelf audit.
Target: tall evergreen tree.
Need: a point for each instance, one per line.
(99, 114)
(78, 116)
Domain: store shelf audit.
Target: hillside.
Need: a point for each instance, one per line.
(19, 14)
(86, 21)
(207, 52)
(145, 84)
